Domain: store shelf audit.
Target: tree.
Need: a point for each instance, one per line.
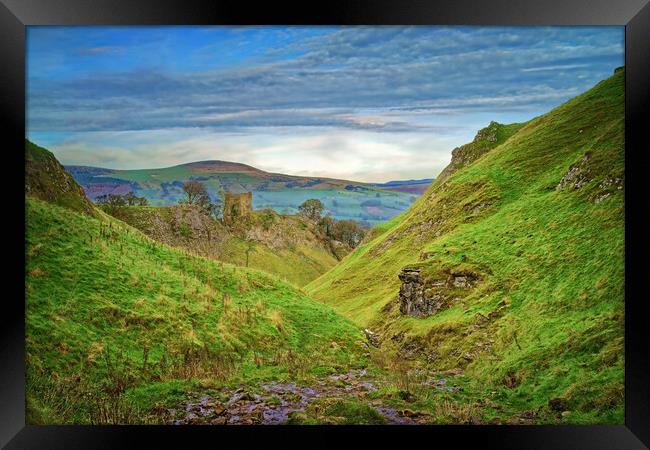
(348, 231)
(326, 224)
(112, 201)
(219, 203)
(196, 193)
(101, 199)
(116, 200)
(131, 199)
(311, 209)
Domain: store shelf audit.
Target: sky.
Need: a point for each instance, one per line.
(369, 104)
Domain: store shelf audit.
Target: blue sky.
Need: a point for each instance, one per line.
(362, 103)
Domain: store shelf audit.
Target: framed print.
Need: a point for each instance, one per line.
(395, 220)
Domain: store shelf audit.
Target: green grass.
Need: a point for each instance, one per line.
(552, 262)
(118, 325)
(346, 411)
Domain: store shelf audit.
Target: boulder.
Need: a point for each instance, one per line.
(372, 337)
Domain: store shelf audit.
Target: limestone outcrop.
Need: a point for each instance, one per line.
(420, 296)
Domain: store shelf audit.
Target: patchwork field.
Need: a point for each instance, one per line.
(282, 193)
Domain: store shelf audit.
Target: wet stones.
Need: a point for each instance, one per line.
(279, 402)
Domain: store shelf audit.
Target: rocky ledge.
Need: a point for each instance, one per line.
(421, 298)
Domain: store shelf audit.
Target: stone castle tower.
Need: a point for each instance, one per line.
(237, 206)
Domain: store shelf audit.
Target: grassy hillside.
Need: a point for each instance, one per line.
(287, 246)
(283, 193)
(45, 178)
(536, 220)
(119, 326)
(485, 140)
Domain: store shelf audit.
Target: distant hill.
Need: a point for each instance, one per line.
(417, 187)
(46, 179)
(509, 270)
(282, 193)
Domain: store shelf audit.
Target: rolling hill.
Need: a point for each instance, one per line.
(282, 193)
(498, 297)
(510, 268)
(119, 326)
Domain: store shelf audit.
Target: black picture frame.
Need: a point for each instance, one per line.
(15, 15)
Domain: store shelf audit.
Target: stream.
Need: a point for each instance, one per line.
(279, 399)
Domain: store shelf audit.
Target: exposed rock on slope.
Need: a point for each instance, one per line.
(46, 179)
(485, 140)
(423, 295)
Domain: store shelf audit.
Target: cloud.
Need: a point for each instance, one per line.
(389, 82)
(559, 67)
(99, 50)
(358, 155)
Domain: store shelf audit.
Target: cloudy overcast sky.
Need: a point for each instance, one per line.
(360, 103)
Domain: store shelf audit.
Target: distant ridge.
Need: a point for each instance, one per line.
(344, 199)
(404, 182)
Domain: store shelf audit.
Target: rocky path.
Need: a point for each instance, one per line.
(278, 400)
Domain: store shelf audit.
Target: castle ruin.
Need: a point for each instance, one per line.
(236, 207)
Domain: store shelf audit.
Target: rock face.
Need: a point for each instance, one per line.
(578, 175)
(47, 180)
(421, 298)
(485, 140)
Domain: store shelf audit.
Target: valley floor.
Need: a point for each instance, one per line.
(358, 396)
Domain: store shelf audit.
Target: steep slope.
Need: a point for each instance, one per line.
(118, 326)
(485, 140)
(45, 178)
(287, 246)
(344, 199)
(116, 322)
(510, 267)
